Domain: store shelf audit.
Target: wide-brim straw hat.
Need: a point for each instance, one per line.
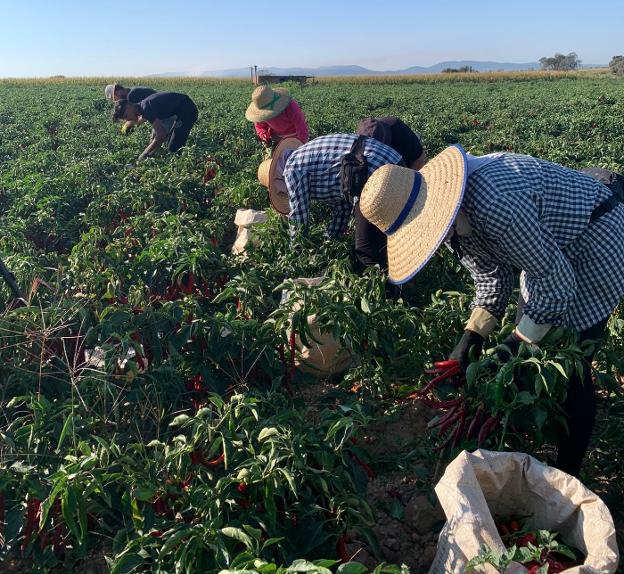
(271, 176)
(267, 103)
(415, 209)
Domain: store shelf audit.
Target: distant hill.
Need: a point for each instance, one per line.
(352, 70)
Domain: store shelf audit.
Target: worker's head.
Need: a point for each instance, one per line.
(115, 92)
(125, 110)
(267, 103)
(396, 134)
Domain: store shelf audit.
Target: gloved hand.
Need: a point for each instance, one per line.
(470, 341)
(392, 291)
(509, 347)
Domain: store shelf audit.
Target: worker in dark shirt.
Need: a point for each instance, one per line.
(370, 242)
(398, 135)
(156, 109)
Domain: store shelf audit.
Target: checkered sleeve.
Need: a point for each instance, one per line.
(297, 183)
(493, 281)
(530, 246)
(340, 215)
(378, 154)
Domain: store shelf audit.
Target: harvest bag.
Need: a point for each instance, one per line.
(326, 356)
(476, 486)
(246, 219)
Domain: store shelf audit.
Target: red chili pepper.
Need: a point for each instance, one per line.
(209, 175)
(215, 461)
(474, 424)
(451, 425)
(365, 467)
(528, 538)
(341, 548)
(197, 457)
(32, 517)
(444, 418)
(242, 487)
(557, 565)
(451, 403)
(160, 506)
(190, 283)
(459, 431)
(442, 375)
(156, 533)
(487, 428)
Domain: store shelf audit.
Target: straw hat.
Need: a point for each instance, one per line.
(270, 175)
(267, 103)
(415, 209)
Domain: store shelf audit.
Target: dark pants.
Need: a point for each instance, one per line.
(580, 406)
(370, 243)
(180, 133)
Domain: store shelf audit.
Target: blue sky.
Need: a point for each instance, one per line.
(101, 37)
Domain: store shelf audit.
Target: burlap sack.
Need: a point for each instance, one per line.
(477, 486)
(328, 356)
(245, 219)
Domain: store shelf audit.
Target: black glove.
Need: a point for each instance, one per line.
(513, 344)
(393, 291)
(469, 340)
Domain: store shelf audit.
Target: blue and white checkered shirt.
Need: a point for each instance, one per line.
(313, 172)
(534, 216)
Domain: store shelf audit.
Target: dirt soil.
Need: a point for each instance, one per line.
(408, 517)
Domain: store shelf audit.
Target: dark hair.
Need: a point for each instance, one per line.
(119, 111)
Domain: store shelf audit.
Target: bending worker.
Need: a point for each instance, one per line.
(311, 172)
(157, 109)
(504, 212)
(276, 115)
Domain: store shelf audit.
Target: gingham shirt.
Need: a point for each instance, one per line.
(532, 215)
(313, 172)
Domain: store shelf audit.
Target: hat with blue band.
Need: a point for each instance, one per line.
(415, 209)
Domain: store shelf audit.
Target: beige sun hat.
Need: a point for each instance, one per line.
(415, 209)
(270, 175)
(266, 103)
